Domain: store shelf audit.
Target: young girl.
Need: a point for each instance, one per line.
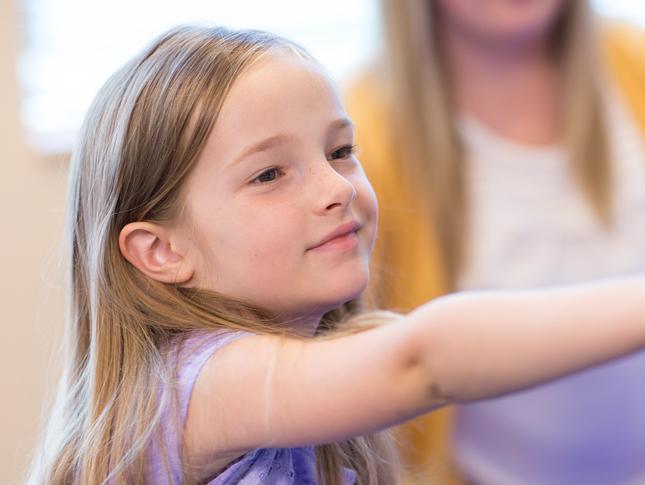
(220, 229)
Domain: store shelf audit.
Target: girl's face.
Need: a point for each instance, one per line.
(276, 179)
(501, 20)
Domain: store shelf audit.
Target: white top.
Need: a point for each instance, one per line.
(532, 226)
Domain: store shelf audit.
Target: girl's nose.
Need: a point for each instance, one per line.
(333, 190)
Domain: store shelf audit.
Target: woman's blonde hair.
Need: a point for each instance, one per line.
(419, 97)
(140, 140)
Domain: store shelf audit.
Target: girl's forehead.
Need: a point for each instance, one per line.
(281, 92)
(279, 74)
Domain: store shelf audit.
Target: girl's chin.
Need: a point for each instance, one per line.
(350, 295)
(322, 301)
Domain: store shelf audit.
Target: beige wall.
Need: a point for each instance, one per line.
(32, 193)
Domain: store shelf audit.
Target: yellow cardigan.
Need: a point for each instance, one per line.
(406, 261)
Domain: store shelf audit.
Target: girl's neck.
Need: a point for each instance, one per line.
(303, 325)
(511, 87)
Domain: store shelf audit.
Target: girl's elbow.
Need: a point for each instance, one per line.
(424, 360)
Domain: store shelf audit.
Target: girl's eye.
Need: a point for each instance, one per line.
(343, 152)
(268, 176)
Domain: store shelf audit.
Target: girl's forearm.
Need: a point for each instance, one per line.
(481, 345)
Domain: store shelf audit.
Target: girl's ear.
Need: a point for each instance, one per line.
(148, 247)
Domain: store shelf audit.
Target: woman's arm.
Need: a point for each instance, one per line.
(263, 391)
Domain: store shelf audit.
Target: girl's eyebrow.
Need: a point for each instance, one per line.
(262, 146)
(281, 138)
(339, 124)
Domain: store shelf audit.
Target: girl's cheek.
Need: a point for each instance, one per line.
(369, 197)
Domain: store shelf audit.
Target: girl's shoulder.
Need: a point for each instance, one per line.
(189, 351)
(185, 355)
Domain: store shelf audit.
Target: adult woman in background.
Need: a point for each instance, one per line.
(505, 142)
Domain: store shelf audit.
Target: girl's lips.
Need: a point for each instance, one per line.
(338, 233)
(344, 242)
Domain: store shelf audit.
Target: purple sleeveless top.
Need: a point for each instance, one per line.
(262, 466)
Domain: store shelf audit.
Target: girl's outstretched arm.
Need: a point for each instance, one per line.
(485, 344)
(263, 391)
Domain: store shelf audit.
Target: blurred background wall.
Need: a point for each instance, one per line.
(32, 200)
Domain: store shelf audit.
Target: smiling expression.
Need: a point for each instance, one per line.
(283, 215)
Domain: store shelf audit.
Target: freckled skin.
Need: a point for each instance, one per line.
(254, 237)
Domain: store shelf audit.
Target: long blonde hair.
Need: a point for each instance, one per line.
(418, 96)
(139, 141)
